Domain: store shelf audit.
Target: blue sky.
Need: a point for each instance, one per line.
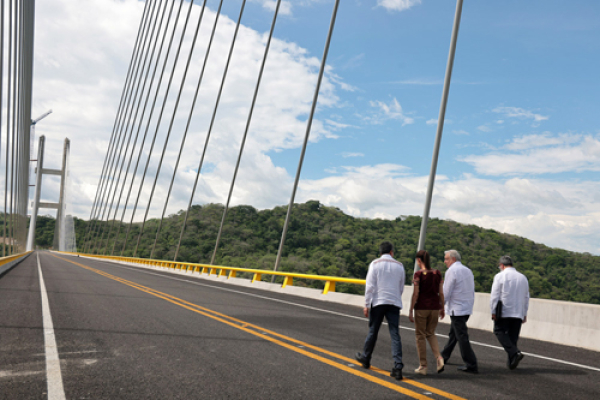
(521, 145)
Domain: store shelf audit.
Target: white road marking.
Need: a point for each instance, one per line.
(343, 315)
(56, 390)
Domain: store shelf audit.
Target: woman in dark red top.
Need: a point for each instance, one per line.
(428, 303)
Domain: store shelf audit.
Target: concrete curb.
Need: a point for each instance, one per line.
(10, 265)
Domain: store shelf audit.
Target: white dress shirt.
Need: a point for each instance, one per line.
(459, 290)
(511, 287)
(385, 282)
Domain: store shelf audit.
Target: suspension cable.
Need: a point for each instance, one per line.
(140, 122)
(157, 91)
(187, 126)
(212, 121)
(109, 182)
(122, 156)
(181, 87)
(159, 119)
(262, 67)
(127, 80)
(306, 136)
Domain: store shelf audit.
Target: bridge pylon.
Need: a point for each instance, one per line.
(60, 236)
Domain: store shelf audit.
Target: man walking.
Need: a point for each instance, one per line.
(383, 298)
(459, 292)
(509, 303)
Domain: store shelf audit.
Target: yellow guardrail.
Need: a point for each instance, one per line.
(7, 259)
(220, 270)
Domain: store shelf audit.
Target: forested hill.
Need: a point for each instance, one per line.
(323, 240)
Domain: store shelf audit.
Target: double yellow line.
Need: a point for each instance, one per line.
(281, 340)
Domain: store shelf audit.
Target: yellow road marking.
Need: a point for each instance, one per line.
(247, 327)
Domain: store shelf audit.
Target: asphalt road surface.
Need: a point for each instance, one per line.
(122, 332)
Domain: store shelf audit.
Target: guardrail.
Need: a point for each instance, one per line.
(231, 272)
(6, 263)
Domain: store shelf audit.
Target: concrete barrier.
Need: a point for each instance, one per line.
(12, 262)
(562, 322)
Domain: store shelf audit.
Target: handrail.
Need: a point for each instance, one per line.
(220, 270)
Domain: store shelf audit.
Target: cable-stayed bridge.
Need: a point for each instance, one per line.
(78, 326)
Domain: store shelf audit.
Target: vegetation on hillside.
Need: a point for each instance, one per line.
(325, 241)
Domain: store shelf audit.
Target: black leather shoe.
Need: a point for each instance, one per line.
(470, 370)
(516, 360)
(396, 373)
(362, 360)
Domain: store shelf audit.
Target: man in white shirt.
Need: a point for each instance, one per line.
(383, 298)
(459, 295)
(511, 288)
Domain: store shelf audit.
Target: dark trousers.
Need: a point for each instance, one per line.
(392, 315)
(459, 333)
(507, 331)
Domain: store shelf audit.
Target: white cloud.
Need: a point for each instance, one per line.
(516, 112)
(285, 8)
(347, 155)
(526, 142)
(460, 132)
(397, 5)
(541, 154)
(484, 128)
(432, 121)
(389, 111)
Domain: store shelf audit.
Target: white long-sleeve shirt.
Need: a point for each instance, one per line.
(459, 290)
(385, 282)
(512, 288)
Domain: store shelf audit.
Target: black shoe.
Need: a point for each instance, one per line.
(396, 373)
(516, 360)
(362, 360)
(470, 370)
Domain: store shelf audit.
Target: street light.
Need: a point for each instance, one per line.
(32, 136)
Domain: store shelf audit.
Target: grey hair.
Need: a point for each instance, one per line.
(453, 254)
(506, 260)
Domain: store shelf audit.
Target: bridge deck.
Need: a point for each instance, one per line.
(123, 332)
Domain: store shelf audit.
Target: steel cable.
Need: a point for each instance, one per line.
(262, 67)
(181, 87)
(134, 64)
(159, 119)
(156, 95)
(157, 91)
(109, 181)
(119, 110)
(124, 94)
(212, 121)
(116, 209)
(187, 126)
(306, 136)
(151, 43)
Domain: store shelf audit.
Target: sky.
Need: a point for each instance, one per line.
(520, 151)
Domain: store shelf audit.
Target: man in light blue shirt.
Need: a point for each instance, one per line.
(383, 298)
(459, 296)
(511, 290)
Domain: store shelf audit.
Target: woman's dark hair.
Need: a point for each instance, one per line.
(424, 257)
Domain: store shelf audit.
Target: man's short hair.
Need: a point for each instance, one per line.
(386, 248)
(506, 260)
(453, 254)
